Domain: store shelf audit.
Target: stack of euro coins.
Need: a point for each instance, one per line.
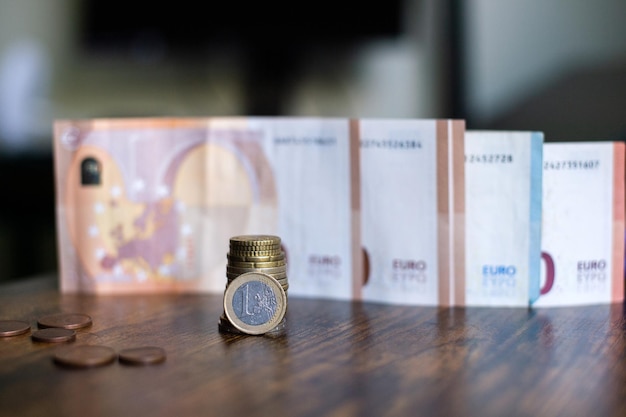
(255, 260)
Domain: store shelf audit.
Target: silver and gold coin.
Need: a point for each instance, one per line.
(283, 283)
(255, 303)
(255, 300)
(225, 326)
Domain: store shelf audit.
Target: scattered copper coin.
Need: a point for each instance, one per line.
(65, 321)
(85, 356)
(54, 335)
(13, 328)
(145, 355)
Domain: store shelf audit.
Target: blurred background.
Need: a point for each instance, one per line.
(557, 66)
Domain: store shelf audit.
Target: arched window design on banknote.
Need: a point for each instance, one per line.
(90, 171)
(169, 200)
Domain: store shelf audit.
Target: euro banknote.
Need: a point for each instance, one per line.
(583, 224)
(149, 205)
(412, 189)
(503, 179)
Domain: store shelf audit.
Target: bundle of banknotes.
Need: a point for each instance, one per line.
(418, 212)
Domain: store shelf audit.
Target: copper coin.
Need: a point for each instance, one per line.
(13, 328)
(54, 335)
(145, 355)
(85, 356)
(65, 321)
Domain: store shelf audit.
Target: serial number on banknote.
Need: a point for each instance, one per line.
(292, 140)
(390, 143)
(495, 158)
(571, 164)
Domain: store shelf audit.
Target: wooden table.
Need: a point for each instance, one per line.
(336, 359)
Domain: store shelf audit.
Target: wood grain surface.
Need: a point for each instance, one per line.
(335, 359)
